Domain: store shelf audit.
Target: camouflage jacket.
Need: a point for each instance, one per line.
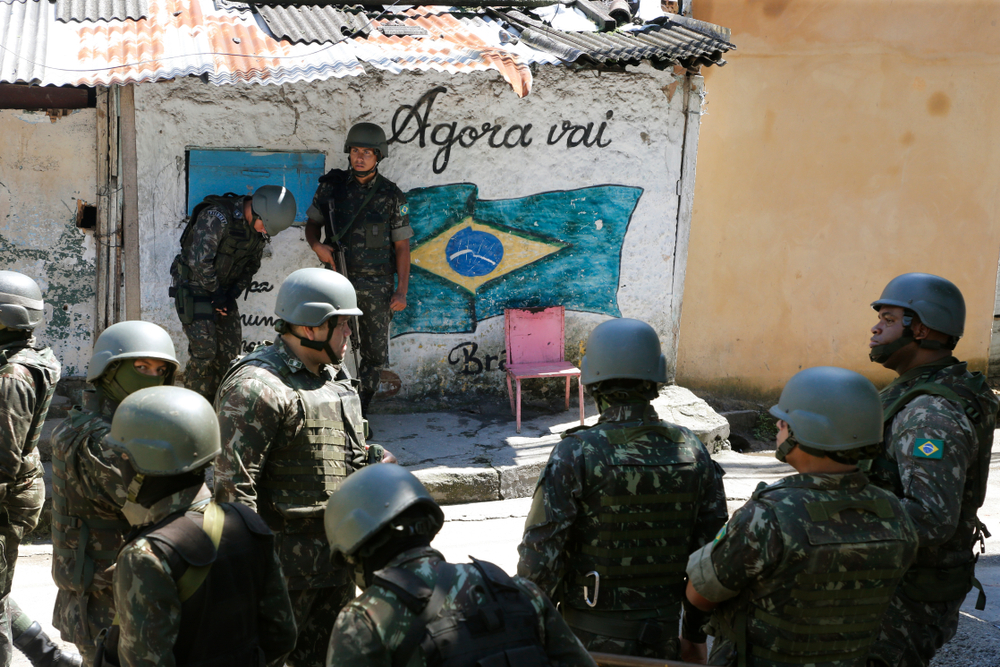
(933, 444)
(385, 220)
(28, 377)
(149, 605)
(807, 565)
(260, 412)
(688, 491)
(372, 626)
(219, 249)
(87, 494)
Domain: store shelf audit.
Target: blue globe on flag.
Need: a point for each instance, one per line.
(473, 253)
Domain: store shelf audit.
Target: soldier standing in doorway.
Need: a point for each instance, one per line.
(366, 215)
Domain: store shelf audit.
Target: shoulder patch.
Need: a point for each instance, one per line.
(719, 535)
(927, 448)
(217, 214)
(404, 209)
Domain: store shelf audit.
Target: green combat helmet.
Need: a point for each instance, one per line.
(623, 349)
(21, 305)
(165, 431)
(936, 301)
(309, 297)
(276, 207)
(368, 501)
(829, 409)
(132, 339)
(367, 135)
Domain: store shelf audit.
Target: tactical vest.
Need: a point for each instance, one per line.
(365, 231)
(235, 583)
(240, 244)
(818, 607)
(503, 630)
(44, 368)
(86, 536)
(636, 541)
(299, 476)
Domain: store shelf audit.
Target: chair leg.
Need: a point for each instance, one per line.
(510, 396)
(567, 392)
(579, 385)
(518, 382)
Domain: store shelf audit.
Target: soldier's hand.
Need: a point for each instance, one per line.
(696, 653)
(388, 457)
(325, 254)
(397, 302)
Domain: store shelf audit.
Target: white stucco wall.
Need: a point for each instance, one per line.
(46, 167)
(642, 149)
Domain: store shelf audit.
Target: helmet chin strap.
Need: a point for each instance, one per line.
(323, 346)
(362, 174)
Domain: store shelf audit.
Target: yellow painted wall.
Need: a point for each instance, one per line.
(846, 142)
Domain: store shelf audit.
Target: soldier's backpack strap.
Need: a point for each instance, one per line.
(197, 547)
(426, 603)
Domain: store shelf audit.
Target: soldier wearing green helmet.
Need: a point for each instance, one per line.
(221, 249)
(88, 496)
(804, 571)
(28, 376)
(365, 216)
(938, 438)
(418, 609)
(620, 505)
(292, 430)
(197, 582)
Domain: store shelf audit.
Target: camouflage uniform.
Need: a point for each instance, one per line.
(371, 259)
(149, 604)
(804, 571)
(938, 466)
(589, 514)
(265, 430)
(220, 253)
(87, 500)
(28, 377)
(372, 627)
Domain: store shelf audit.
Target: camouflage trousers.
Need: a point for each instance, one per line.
(80, 618)
(913, 631)
(373, 331)
(22, 506)
(212, 346)
(316, 610)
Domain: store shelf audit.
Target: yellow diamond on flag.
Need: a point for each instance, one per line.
(928, 448)
(471, 253)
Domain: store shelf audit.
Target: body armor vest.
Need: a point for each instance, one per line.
(239, 246)
(299, 476)
(365, 231)
(818, 607)
(86, 534)
(235, 583)
(44, 368)
(502, 630)
(633, 540)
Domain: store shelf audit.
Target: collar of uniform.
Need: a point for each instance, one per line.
(630, 412)
(927, 369)
(830, 481)
(287, 356)
(414, 554)
(176, 502)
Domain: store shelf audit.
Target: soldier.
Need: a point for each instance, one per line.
(221, 249)
(199, 583)
(28, 377)
(418, 609)
(806, 568)
(376, 243)
(88, 496)
(620, 505)
(939, 421)
(291, 431)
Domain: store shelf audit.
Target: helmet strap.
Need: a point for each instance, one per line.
(363, 174)
(322, 346)
(785, 448)
(135, 486)
(881, 353)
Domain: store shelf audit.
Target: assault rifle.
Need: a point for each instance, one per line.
(338, 248)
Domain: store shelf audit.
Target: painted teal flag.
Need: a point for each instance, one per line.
(472, 258)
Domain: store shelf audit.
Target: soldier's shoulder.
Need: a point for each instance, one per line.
(256, 379)
(929, 409)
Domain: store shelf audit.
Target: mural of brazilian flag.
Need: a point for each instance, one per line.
(471, 258)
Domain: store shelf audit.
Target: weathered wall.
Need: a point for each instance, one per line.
(584, 215)
(46, 168)
(846, 142)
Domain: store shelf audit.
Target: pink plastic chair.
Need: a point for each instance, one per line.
(536, 339)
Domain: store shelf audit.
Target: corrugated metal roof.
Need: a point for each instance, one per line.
(223, 42)
(24, 31)
(100, 10)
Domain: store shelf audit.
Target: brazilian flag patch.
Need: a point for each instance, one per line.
(720, 535)
(926, 448)
(404, 209)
